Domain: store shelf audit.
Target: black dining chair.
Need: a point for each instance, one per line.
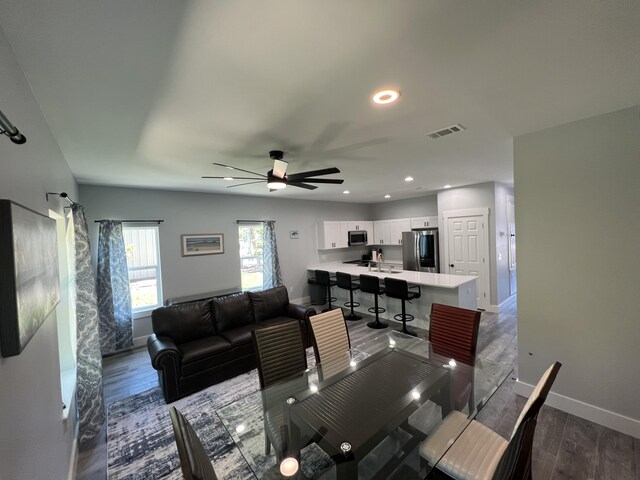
(396, 288)
(194, 461)
(345, 281)
(371, 284)
(280, 355)
(480, 453)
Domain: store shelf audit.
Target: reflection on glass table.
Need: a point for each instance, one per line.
(365, 414)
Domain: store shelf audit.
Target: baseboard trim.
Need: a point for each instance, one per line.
(301, 301)
(607, 418)
(73, 461)
(140, 341)
(507, 303)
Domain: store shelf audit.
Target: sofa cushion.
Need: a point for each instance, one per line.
(184, 322)
(232, 311)
(275, 320)
(201, 354)
(269, 303)
(240, 335)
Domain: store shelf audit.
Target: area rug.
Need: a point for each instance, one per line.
(140, 441)
(141, 444)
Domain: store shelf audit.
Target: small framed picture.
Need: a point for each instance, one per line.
(202, 244)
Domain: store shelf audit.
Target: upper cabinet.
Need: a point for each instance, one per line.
(424, 222)
(360, 225)
(333, 235)
(396, 227)
(381, 234)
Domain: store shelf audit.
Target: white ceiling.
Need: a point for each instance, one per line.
(149, 92)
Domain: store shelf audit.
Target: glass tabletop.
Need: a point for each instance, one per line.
(365, 413)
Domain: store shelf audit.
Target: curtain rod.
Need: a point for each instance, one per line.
(254, 221)
(132, 221)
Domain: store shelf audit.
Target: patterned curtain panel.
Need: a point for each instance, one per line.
(114, 298)
(271, 276)
(89, 395)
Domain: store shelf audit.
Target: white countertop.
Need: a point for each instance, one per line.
(443, 280)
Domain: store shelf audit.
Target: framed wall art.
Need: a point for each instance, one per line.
(29, 281)
(202, 244)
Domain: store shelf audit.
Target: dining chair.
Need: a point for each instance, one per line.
(481, 454)
(280, 355)
(194, 460)
(331, 341)
(453, 334)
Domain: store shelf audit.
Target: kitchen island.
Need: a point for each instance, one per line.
(456, 290)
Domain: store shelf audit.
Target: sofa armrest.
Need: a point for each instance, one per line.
(162, 349)
(166, 358)
(299, 312)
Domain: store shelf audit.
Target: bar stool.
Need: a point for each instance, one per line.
(323, 278)
(345, 282)
(400, 289)
(371, 284)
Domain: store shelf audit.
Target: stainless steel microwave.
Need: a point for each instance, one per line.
(357, 237)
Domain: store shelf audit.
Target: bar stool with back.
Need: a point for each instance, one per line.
(399, 289)
(371, 284)
(345, 282)
(323, 278)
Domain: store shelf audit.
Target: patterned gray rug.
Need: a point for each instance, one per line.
(140, 441)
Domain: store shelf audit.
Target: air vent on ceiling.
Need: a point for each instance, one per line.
(446, 131)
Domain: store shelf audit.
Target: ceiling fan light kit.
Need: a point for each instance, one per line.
(277, 177)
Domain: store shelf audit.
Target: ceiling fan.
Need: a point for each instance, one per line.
(277, 177)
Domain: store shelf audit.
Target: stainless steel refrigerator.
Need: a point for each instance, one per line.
(420, 251)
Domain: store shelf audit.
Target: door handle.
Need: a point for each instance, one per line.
(451, 265)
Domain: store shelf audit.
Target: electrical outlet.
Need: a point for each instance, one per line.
(323, 257)
(290, 290)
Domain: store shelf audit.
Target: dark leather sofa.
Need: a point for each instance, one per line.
(198, 344)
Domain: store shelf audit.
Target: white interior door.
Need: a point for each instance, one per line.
(466, 241)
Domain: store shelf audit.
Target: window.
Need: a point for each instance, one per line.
(143, 260)
(251, 255)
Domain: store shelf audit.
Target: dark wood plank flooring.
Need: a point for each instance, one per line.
(565, 446)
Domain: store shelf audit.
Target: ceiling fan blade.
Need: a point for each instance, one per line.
(238, 178)
(302, 185)
(279, 168)
(239, 169)
(248, 183)
(311, 173)
(322, 180)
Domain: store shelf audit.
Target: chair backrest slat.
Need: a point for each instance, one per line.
(279, 351)
(515, 462)
(454, 330)
(330, 336)
(194, 460)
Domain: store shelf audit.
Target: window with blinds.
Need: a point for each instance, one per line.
(143, 260)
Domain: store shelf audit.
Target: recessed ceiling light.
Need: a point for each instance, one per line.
(447, 186)
(228, 178)
(408, 179)
(384, 97)
(387, 196)
(346, 192)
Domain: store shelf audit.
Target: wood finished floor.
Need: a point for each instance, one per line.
(565, 446)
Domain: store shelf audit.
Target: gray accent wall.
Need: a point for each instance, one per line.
(35, 442)
(577, 204)
(493, 196)
(189, 212)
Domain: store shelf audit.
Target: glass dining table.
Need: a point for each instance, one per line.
(365, 413)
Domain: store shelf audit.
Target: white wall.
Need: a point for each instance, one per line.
(34, 441)
(577, 203)
(483, 195)
(188, 212)
(501, 233)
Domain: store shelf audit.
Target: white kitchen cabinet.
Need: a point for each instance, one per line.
(396, 227)
(381, 234)
(333, 234)
(359, 225)
(424, 222)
